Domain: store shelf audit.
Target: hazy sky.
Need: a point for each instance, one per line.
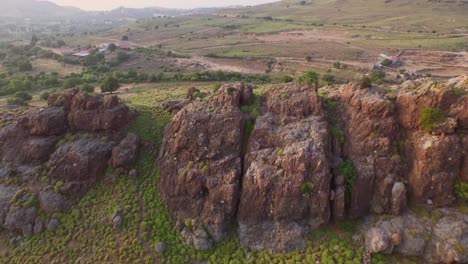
(110, 4)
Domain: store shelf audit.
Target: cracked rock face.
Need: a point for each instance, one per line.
(201, 162)
(286, 185)
(283, 180)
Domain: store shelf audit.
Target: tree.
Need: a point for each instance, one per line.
(125, 38)
(24, 65)
(112, 47)
(308, 58)
(23, 96)
(329, 79)
(34, 40)
(109, 84)
(365, 82)
(122, 56)
(310, 77)
(378, 76)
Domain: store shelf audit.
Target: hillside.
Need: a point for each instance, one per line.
(29, 9)
(425, 15)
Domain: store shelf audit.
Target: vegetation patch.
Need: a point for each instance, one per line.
(430, 117)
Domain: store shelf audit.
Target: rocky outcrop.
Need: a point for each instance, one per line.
(48, 122)
(78, 164)
(370, 128)
(51, 143)
(201, 163)
(125, 154)
(286, 185)
(348, 153)
(441, 240)
(95, 114)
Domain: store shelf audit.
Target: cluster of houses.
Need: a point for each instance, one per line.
(102, 48)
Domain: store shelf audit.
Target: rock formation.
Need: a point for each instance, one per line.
(69, 144)
(286, 185)
(201, 164)
(309, 159)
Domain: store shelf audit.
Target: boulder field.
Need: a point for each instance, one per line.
(285, 163)
(50, 155)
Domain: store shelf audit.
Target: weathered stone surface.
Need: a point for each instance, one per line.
(370, 127)
(63, 100)
(287, 177)
(125, 154)
(53, 224)
(198, 238)
(38, 226)
(48, 122)
(19, 219)
(6, 194)
(201, 162)
(98, 115)
(78, 164)
(449, 240)
(398, 198)
(441, 240)
(435, 169)
(38, 150)
(53, 202)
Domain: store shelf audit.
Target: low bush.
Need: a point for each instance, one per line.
(430, 117)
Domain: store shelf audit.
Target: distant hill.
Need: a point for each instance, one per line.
(35, 9)
(426, 15)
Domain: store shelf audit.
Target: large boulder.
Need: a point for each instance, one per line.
(79, 164)
(6, 195)
(48, 122)
(286, 185)
(443, 239)
(53, 202)
(21, 219)
(96, 114)
(201, 163)
(435, 169)
(125, 154)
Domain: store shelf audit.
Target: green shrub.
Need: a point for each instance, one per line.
(87, 88)
(310, 78)
(306, 188)
(17, 101)
(286, 79)
(386, 62)
(365, 82)
(23, 96)
(44, 96)
(430, 117)
(348, 170)
(378, 76)
(329, 79)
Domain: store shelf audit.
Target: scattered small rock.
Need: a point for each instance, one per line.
(160, 247)
(53, 225)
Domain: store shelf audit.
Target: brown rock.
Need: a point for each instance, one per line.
(63, 100)
(370, 129)
(78, 164)
(287, 178)
(125, 154)
(48, 122)
(436, 166)
(201, 165)
(398, 198)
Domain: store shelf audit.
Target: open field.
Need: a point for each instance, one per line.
(328, 31)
